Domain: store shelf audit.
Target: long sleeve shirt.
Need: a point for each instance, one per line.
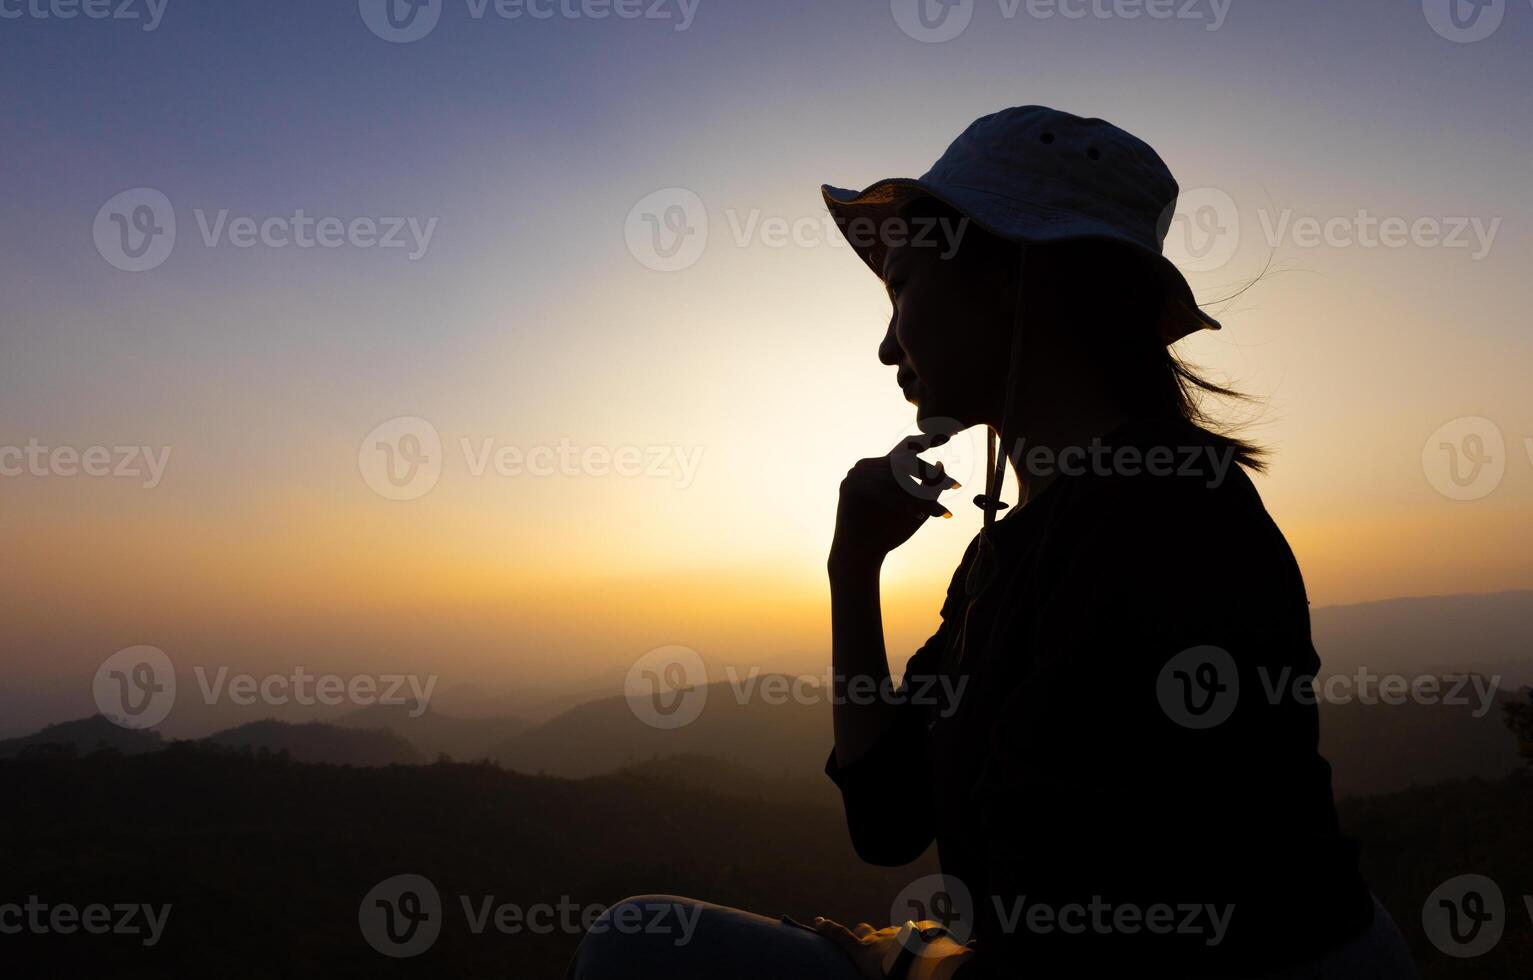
(1134, 732)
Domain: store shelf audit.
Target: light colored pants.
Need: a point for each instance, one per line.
(664, 937)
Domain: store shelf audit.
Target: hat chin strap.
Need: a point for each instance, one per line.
(995, 463)
(983, 566)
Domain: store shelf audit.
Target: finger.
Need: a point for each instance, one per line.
(862, 930)
(837, 933)
(935, 475)
(907, 470)
(928, 473)
(879, 487)
(902, 495)
(888, 484)
(920, 442)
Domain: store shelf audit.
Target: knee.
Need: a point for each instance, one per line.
(619, 941)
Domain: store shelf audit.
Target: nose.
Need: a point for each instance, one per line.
(889, 350)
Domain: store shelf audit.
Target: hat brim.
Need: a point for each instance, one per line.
(1012, 221)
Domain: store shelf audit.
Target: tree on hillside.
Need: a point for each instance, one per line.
(1519, 718)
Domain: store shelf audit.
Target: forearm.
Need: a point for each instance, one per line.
(860, 664)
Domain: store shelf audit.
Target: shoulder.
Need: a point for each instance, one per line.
(1173, 504)
(1168, 476)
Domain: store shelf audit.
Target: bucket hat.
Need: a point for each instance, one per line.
(1036, 175)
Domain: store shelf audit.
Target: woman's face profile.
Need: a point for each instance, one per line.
(949, 334)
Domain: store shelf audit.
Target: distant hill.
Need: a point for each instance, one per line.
(1414, 841)
(82, 737)
(266, 861)
(534, 703)
(602, 736)
(1383, 748)
(1490, 634)
(1373, 748)
(711, 774)
(318, 742)
(433, 733)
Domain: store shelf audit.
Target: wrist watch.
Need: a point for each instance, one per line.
(910, 942)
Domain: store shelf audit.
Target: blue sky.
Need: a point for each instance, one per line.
(527, 143)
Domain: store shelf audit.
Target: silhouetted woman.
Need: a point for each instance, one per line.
(1111, 737)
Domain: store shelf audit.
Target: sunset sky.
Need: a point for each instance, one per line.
(749, 378)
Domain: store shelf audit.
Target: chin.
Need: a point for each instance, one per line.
(932, 421)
